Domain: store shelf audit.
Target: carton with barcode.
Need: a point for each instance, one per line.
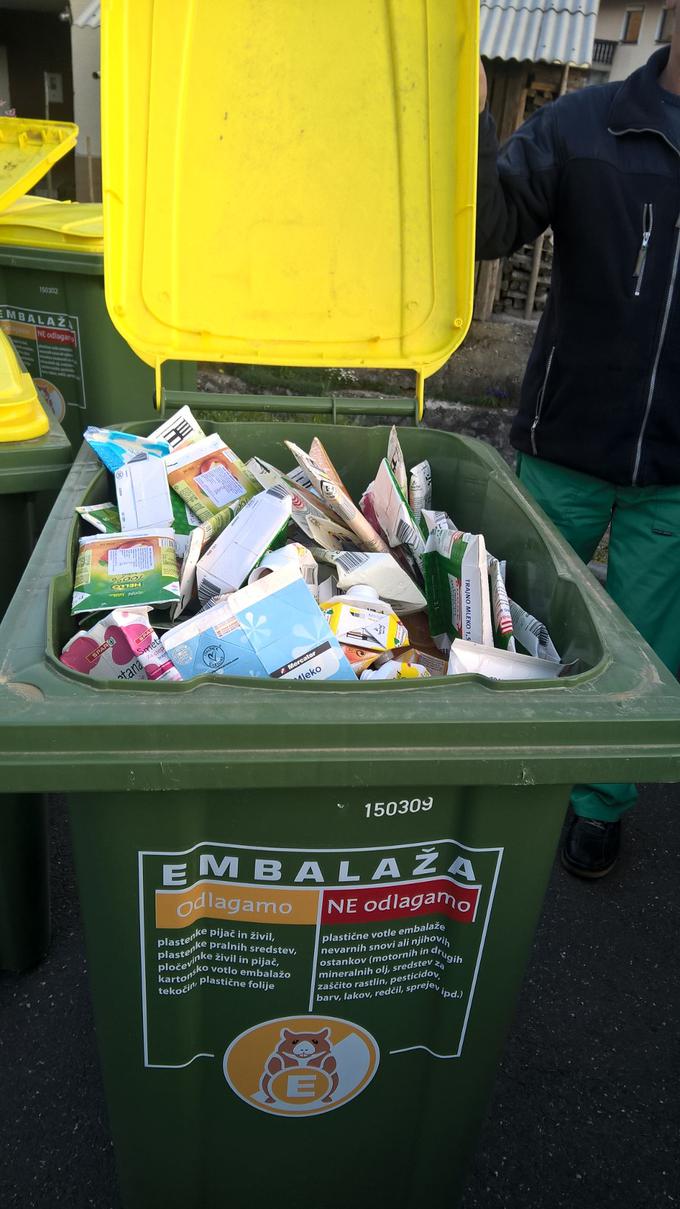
(385, 501)
(532, 634)
(261, 524)
(125, 570)
(331, 489)
(457, 588)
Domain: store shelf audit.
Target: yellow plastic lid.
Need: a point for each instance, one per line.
(28, 149)
(75, 226)
(21, 415)
(290, 183)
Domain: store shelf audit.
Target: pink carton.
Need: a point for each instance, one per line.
(120, 646)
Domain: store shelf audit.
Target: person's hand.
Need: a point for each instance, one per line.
(482, 86)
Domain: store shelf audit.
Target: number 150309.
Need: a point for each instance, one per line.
(376, 810)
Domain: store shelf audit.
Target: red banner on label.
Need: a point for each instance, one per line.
(440, 896)
(56, 335)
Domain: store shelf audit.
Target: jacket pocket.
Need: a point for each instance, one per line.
(540, 397)
(647, 228)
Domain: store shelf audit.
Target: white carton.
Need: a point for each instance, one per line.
(467, 657)
(379, 571)
(143, 494)
(232, 556)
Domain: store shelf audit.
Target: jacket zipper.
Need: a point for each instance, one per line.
(669, 299)
(539, 402)
(647, 227)
(659, 347)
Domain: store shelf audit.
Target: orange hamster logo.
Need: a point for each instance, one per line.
(301, 1066)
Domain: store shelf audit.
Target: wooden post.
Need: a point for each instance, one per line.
(533, 276)
(564, 80)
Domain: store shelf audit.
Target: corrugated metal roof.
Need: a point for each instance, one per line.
(91, 15)
(540, 31)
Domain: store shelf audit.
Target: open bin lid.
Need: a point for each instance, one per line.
(290, 184)
(28, 149)
(70, 226)
(21, 416)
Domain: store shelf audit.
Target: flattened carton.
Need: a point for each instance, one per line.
(125, 570)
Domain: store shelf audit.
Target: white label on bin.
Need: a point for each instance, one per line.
(390, 937)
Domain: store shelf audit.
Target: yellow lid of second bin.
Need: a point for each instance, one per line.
(28, 149)
(290, 183)
(68, 226)
(21, 415)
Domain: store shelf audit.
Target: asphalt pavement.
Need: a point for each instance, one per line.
(586, 1108)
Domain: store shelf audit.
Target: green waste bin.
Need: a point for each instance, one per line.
(31, 472)
(308, 908)
(52, 307)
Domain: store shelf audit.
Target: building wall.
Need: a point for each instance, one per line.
(85, 44)
(610, 27)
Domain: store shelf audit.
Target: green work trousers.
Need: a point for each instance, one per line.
(643, 575)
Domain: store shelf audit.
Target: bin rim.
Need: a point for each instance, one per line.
(620, 722)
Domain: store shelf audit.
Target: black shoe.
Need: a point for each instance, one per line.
(591, 847)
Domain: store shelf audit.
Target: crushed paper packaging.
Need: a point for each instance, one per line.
(396, 670)
(120, 646)
(395, 459)
(209, 478)
(305, 505)
(379, 571)
(500, 607)
(292, 554)
(333, 492)
(435, 667)
(114, 449)
(301, 479)
(179, 430)
(457, 588)
(212, 642)
(532, 634)
(287, 629)
(470, 657)
(319, 455)
(105, 518)
(232, 556)
(441, 520)
(329, 535)
(394, 515)
(143, 494)
(361, 619)
(184, 521)
(126, 570)
(420, 489)
(359, 657)
(197, 541)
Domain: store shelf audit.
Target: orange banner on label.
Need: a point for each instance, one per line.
(247, 904)
(13, 328)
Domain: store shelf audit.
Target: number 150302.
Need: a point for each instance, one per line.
(377, 810)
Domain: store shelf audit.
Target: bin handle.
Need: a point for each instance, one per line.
(330, 405)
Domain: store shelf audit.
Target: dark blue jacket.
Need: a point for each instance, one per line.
(600, 166)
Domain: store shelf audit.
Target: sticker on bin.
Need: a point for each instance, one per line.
(127, 570)
(120, 646)
(287, 629)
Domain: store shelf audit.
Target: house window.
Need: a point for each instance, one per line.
(631, 26)
(666, 23)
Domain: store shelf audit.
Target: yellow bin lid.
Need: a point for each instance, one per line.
(290, 183)
(28, 149)
(70, 226)
(21, 416)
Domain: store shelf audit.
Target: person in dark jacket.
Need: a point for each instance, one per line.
(598, 427)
